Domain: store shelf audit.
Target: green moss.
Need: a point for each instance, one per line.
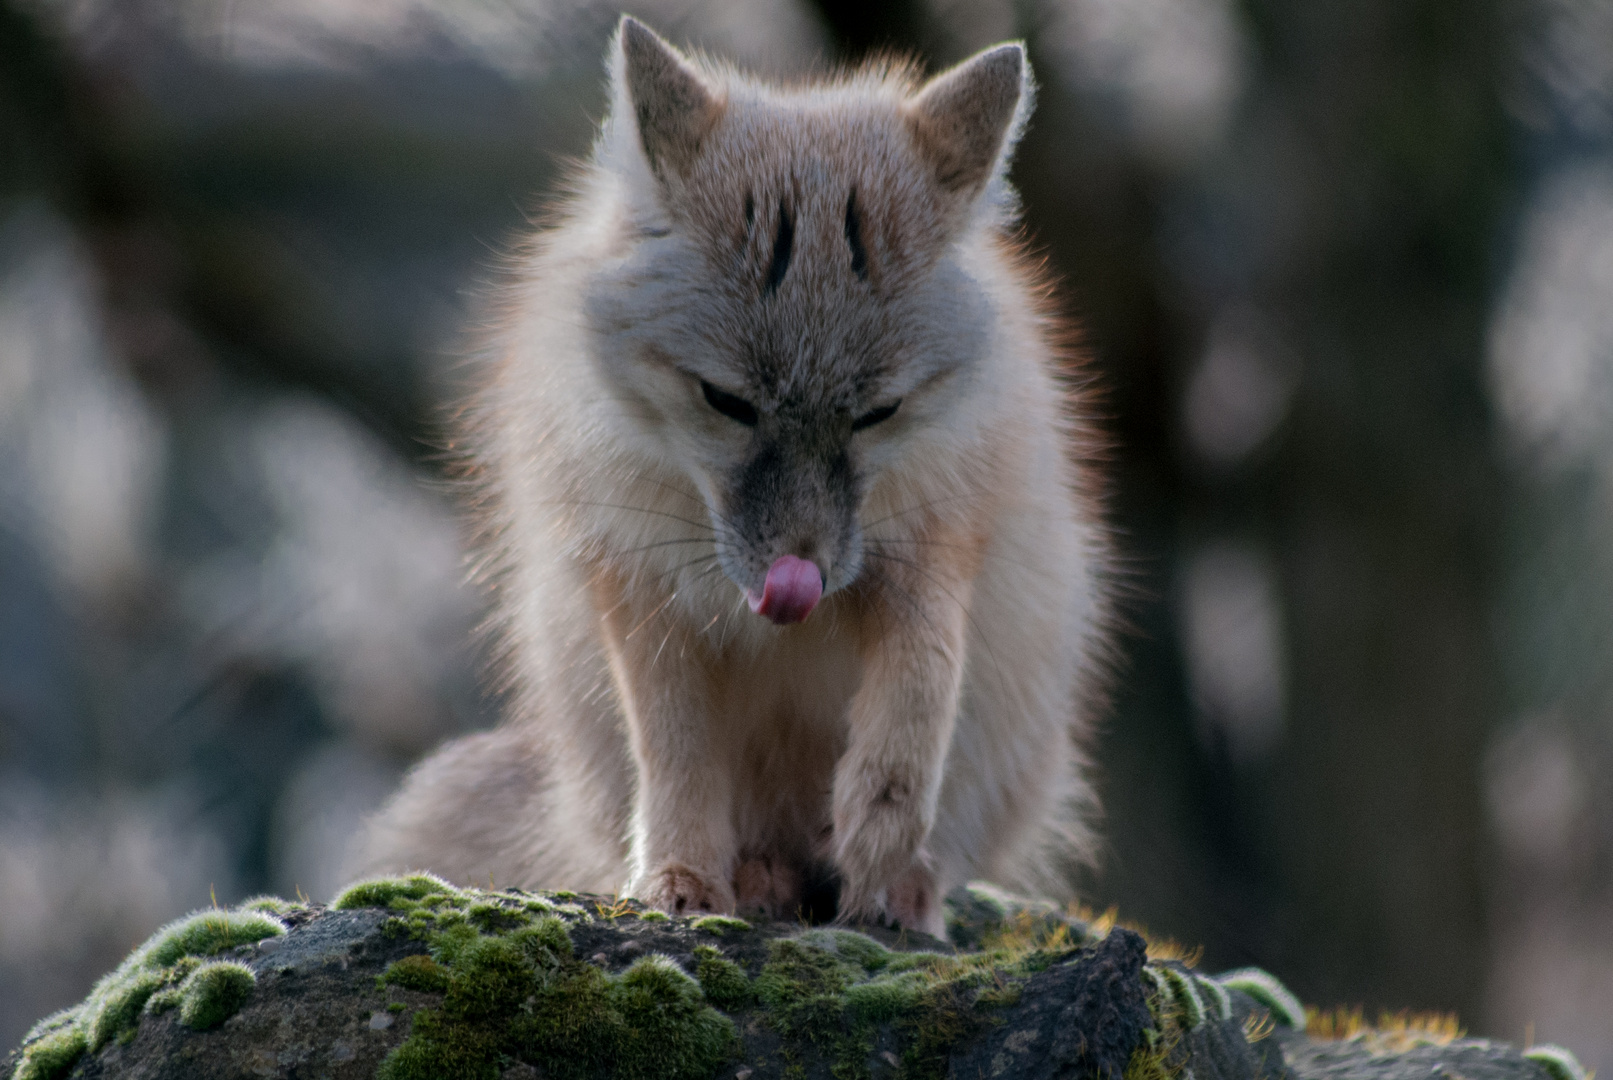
(207, 933)
(513, 990)
(213, 993)
(829, 993)
(1161, 1055)
(802, 988)
(548, 941)
(162, 1001)
(925, 961)
(450, 937)
(154, 978)
(438, 1050)
(180, 969)
(52, 1056)
(56, 1021)
(1285, 1008)
(943, 1015)
(1150, 1061)
(383, 892)
(798, 973)
(120, 1009)
(269, 905)
(1185, 998)
(883, 1001)
(417, 973)
(719, 924)
(489, 975)
(494, 917)
(432, 914)
(396, 1007)
(860, 949)
(650, 1021)
(654, 916)
(1559, 1062)
(170, 991)
(725, 983)
(1218, 1004)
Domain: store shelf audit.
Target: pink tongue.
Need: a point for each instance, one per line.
(792, 590)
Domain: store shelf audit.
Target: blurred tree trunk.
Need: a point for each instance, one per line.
(186, 289)
(1389, 493)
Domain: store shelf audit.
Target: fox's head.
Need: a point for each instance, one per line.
(784, 308)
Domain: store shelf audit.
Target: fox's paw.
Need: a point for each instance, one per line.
(766, 884)
(879, 824)
(678, 890)
(913, 901)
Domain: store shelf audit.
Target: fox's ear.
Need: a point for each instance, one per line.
(966, 118)
(672, 107)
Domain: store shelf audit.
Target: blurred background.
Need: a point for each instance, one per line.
(1346, 270)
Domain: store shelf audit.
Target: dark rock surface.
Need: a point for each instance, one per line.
(1469, 1059)
(1048, 1000)
(1085, 1018)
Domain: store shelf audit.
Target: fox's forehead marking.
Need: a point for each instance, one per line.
(814, 226)
(783, 243)
(854, 240)
(838, 193)
(793, 303)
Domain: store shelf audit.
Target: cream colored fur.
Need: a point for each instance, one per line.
(924, 725)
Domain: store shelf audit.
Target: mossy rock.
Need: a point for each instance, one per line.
(412, 978)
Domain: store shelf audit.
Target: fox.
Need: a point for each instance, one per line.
(791, 512)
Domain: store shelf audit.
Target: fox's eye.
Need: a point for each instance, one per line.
(875, 416)
(735, 408)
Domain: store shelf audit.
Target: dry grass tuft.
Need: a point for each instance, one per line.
(1159, 948)
(1394, 1033)
(1257, 1026)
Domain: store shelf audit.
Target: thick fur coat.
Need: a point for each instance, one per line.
(779, 339)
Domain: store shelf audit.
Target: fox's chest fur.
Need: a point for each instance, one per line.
(794, 562)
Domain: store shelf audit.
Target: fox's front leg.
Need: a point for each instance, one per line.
(683, 846)
(887, 783)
